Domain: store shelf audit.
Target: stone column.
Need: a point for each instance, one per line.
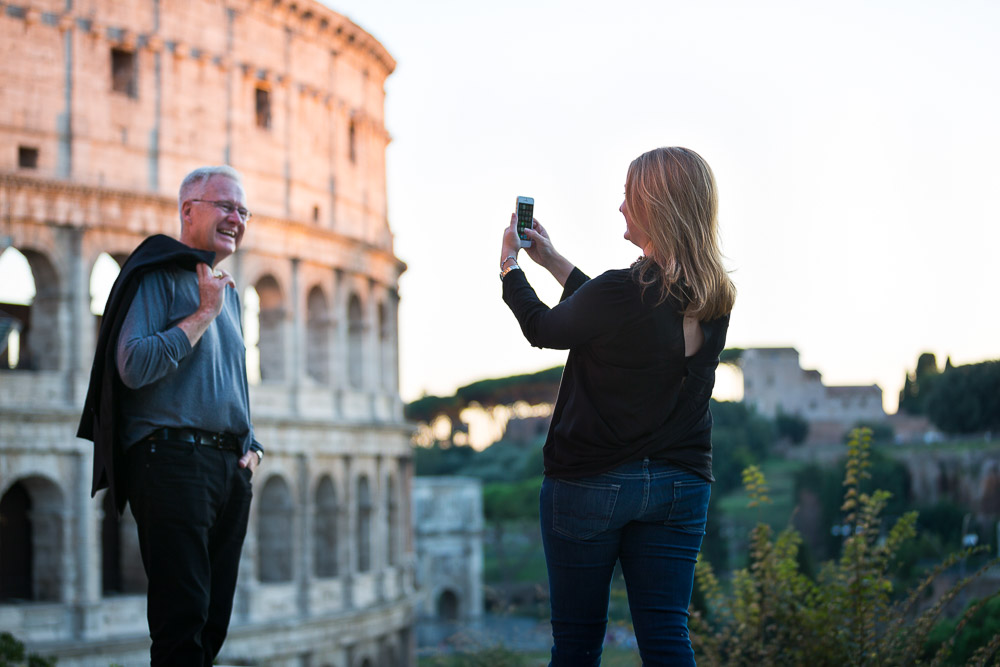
(80, 333)
(338, 342)
(86, 543)
(304, 540)
(371, 383)
(347, 549)
(294, 343)
(379, 534)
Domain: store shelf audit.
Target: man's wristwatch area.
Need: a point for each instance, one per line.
(260, 455)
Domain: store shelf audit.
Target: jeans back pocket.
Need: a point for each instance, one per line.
(689, 510)
(582, 510)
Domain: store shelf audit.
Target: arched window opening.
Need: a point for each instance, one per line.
(251, 333)
(121, 562)
(31, 541)
(102, 278)
(17, 292)
(364, 528)
(447, 606)
(270, 335)
(325, 525)
(387, 654)
(274, 531)
(355, 342)
(15, 544)
(317, 336)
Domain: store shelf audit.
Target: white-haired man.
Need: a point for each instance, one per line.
(168, 411)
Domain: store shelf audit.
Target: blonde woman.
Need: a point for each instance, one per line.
(628, 455)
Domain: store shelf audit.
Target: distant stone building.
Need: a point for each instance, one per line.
(774, 382)
(104, 107)
(448, 522)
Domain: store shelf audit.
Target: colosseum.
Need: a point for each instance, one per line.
(104, 106)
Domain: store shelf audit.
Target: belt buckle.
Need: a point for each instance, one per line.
(217, 440)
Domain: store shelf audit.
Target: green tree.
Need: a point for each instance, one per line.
(966, 399)
(917, 385)
(442, 460)
(740, 438)
(791, 427)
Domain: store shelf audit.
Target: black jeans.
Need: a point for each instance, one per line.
(191, 505)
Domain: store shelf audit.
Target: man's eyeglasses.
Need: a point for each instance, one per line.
(227, 207)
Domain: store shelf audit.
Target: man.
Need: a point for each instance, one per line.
(168, 411)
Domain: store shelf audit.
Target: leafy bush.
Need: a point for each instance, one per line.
(882, 432)
(982, 627)
(13, 654)
(825, 483)
(850, 615)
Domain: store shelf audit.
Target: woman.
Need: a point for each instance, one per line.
(628, 456)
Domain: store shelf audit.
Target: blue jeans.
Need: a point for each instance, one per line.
(650, 516)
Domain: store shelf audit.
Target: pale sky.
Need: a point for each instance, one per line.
(855, 145)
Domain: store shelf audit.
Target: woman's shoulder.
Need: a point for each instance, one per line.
(617, 277)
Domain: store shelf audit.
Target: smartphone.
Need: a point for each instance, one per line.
(525, 212)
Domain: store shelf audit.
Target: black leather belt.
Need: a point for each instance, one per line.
(206, 438)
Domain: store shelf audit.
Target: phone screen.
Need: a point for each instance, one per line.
(524, 214)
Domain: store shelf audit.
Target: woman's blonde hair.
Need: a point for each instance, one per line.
(672, 198)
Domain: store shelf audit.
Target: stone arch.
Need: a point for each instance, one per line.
(364, 524)
(447, 605)
(392, 513)
(325, 526)
(275, 531)
(32, 299)
(355, 342)
(121, 561)
(17, 291)
(318, 335)
(251, 333)
(41, 338)
(271, 329)
(102, 276)
(388, 652)
(31, 540)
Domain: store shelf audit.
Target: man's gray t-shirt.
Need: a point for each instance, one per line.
(170, 383)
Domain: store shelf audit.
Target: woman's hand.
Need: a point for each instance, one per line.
(509, 246)
(543, 253)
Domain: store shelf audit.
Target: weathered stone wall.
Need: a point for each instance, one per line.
(104, 106)
(448, 523)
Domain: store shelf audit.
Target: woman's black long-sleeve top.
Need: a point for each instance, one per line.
(627, 390)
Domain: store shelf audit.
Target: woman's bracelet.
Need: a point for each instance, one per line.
(507, 259)
(504, 272)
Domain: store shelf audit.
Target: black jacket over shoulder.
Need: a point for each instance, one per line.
(627, 391)
(99, 421)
